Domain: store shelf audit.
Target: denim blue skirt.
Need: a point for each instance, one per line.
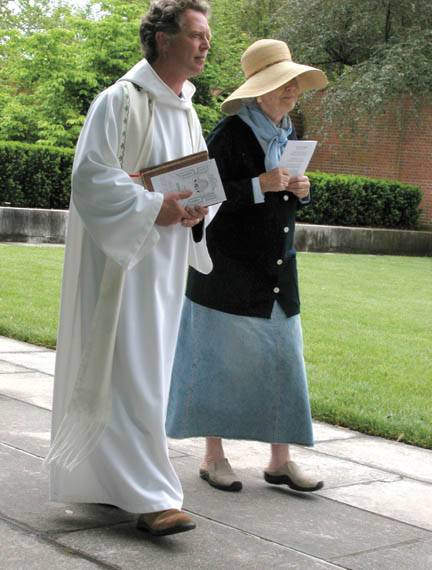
(239, 377)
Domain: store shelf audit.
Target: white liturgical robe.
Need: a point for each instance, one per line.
(112, 217)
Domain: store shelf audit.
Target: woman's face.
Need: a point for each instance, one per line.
(280, 101)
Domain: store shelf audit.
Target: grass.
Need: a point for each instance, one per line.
(367, 323)
(30, 286)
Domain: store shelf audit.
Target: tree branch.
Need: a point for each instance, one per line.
(388, 23)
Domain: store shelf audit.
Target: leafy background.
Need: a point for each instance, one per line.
(56, 56)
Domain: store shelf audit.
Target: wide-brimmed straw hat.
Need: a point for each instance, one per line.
(267, 65)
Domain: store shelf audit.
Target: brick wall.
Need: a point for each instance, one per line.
(398, 148)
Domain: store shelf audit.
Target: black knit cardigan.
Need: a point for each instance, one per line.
(251, 245)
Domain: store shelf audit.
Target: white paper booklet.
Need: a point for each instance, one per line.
(202, 178)
(296, 156)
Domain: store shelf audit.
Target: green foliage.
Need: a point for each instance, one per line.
(346, 200)
(29, 16)
(208, 117)
(228, 43)
(53, 70)
(372, 51)
(54, 59)
(222, 72)
(261, 17)
(35, 176)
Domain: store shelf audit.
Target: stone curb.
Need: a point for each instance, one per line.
(49, 226)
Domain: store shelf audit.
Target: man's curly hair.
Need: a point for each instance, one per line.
(164, 16)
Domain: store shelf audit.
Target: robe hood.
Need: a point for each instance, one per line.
(143, 75)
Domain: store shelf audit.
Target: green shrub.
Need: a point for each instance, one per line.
(208, 117)
(347, 200)
(35, 176)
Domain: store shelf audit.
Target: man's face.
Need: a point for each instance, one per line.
(188, 49)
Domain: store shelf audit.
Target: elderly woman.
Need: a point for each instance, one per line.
(239, 370)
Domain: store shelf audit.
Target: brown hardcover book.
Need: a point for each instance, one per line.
(148, 173)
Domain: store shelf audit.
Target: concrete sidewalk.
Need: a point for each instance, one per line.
(375, 511)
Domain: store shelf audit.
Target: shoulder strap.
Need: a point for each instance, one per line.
(136, 135)
(125, 117)
(137, 127)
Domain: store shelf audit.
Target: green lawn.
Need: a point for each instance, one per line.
(367, 323)
(30, 285)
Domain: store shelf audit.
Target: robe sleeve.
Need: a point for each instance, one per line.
(117, 213)
(198, 256)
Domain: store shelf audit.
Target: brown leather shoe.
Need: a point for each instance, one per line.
(161, 523)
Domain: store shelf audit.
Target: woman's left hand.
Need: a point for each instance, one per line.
(196, 216)
(299, 186)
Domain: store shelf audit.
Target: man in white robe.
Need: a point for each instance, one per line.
(126, 256)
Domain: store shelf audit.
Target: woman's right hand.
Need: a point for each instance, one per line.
(275, 180)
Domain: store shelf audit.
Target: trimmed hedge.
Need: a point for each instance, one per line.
(347, 200)
(34, 176)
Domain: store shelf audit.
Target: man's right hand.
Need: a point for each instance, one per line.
(171, 211)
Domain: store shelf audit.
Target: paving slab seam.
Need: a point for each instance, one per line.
(381, 548)
(29, 372)
(7, 397)
(396, 479)
(367, 436)
(46, 538)
(363, 483)
(364, 510)
(264, 539)
(376, 467)
(35, 348)
(60, 533)
(22, 450)
(349, 432)
(27, 368)
(334, 439)
(181, 453)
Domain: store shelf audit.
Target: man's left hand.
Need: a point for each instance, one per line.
(196, 215)
(299, 186)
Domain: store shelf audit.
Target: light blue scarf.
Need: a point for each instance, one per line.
(275, 138)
